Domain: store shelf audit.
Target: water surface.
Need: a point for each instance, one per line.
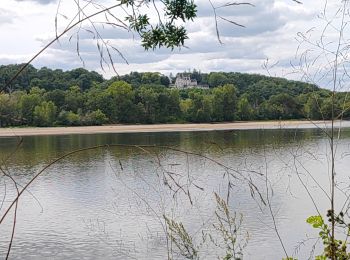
(108, 203)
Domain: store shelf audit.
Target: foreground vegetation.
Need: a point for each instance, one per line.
(48, 97)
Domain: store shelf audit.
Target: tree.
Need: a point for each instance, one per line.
(74, 99)
(312, 107)
(22, 82)
(28, 103)
(168, 106)
(286, 105)
(45, 114)
(69, 118)
(199, 107)
(196, 75)
(57, 96)
(96, 117)
(245, 110)
(164, 80)
(224, 103)
(9, 109)
(151, 78)
(149, 99)
(217, 79)
(122, 98)
(185, 106)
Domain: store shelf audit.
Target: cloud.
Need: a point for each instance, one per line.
(270, 30)
(265, 16)
(106, 32)
(203, 50)
(7, 16)
(13, 59)
(44, 2)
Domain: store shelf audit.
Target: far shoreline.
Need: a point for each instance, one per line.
(154, 128)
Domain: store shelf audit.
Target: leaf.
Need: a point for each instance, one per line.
(315, 221)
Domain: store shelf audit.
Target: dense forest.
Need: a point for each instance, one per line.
(45, 97)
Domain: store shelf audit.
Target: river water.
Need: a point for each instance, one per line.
(109, 202)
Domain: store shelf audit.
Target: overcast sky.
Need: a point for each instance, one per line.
(271, 28)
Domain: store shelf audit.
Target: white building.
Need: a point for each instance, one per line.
(184, 81)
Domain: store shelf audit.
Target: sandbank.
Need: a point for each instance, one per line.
(31, 131)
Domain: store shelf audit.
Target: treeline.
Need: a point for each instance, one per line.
(48, 97)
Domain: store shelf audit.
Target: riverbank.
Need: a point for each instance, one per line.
(30, 131)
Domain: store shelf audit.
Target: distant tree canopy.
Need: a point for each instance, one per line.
(45, 97)
(46, 78)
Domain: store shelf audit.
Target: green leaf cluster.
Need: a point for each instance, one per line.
(332, 246)
(166, 32)
(80, 97)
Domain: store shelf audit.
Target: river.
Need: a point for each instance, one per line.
(109, 202)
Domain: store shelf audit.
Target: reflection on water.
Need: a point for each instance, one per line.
(108, 203)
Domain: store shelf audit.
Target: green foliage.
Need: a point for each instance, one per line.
(149, 98)
(226, 234)
(286, 105)
(199, 108)
(245, 110)
(45, 113)
(332, 247)
(312, 107)
(217, 79)
(121, 98)
(9, 110)
(164, 80)
(47, 79)
(69, 118)
(228, 230)
(165, 32)
(181, 238)
(95, 118)
(316, 222)
(84, 98)
(224, 103)
(27, 103)
(180, 9)
(73, 99)
(320, 257)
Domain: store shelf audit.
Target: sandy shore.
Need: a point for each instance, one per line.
(30, 131)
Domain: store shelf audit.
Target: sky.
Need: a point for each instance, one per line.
(269, 37)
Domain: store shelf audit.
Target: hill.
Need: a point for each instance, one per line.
(46, 97)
